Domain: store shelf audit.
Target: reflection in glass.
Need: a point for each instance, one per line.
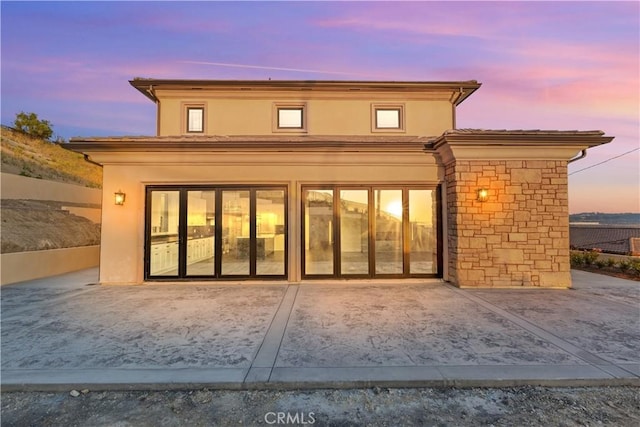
(422, 232)
(235, 233)
(354, 232)
(388, 231)
(165, 212)
(201, 233)
(270, 232)
(318, 231)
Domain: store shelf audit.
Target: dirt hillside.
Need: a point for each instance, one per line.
(33, 225)
(37, 158)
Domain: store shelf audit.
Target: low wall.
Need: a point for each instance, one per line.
(616, 257)
(21, 187)
(20, 266)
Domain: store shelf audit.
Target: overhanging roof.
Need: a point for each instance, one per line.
(462, 89)
(535, 137)
(249, 142)
(485, 144)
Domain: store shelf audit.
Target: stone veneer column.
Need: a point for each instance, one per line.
(520, 235)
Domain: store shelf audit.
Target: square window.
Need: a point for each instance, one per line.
(195, 119)
(388, 119)
(290, 118)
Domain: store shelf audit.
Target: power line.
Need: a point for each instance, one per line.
(605, 161)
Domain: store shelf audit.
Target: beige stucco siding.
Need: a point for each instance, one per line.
(122, 251)
(227, 115)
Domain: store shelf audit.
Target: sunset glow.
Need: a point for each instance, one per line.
(542, 65)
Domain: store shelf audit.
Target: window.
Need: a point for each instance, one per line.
(387, 118)
(371, 231)
(195, 119)
(216, 232)
(289, 118)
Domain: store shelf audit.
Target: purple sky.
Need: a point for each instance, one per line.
(543, 65)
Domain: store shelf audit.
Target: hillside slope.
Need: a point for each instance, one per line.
(37, 158)
(36, 225)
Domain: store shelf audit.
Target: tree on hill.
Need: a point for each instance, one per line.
(31, 125)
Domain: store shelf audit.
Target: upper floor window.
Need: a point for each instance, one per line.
(195, 119)
(387, 118)
(289, 118)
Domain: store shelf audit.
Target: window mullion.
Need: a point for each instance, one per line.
(253, 240)
(182, 234)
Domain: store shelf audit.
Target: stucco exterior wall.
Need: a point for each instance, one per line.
(21, 266)
(520, 235)
(21, 187)
(122, 246)
(326, 114)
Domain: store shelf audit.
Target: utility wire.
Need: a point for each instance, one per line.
(605, 161)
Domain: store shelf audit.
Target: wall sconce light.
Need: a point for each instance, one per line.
(118, 198)
(483, 195)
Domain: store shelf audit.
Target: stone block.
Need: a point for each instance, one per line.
(522, 215)
(508, 256)
(543, 264)
(536, 164)
(477, 275)
(513, 189)
(517, 237)
(494, 239)
(526, 175)
(478, 243)
(555, 279)
(492, 207)
(514, 164)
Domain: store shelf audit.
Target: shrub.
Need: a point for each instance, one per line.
(600, 263)
(590, 257)
(624, 265)
(635, 266)
(611, 262)
(576, 259)
(31, 125)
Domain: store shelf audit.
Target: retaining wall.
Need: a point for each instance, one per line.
(22, 187)
(21, 266)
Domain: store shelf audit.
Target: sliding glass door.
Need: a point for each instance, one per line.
(371, 231)
(215, 233)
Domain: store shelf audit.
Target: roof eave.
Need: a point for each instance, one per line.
(464, 88)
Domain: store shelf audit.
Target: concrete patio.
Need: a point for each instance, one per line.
(65, 332)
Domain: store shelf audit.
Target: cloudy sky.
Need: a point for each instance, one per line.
(542, 65)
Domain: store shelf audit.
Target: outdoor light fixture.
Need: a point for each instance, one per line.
(118, 198)
(483, 194)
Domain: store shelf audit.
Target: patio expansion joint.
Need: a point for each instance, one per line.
(590, 358)
(264, 361)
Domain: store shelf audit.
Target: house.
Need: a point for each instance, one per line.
(296, 181)
(611, 239)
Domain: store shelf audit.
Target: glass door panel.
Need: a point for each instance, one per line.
(422, 233)
(270, 232)
(354, 232)
(165, 217)
(201, 226)
(236, 239)
(318, 232)
(388, 231)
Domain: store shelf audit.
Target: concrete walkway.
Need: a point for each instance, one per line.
(64, 332)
